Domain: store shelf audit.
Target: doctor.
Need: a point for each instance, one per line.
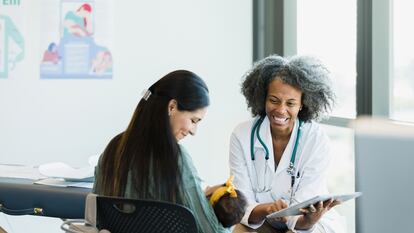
(281, 157)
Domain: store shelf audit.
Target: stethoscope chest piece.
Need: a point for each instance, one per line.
(291, 170)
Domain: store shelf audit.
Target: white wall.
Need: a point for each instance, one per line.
(69, 120)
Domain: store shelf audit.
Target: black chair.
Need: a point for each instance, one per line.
(120, 215)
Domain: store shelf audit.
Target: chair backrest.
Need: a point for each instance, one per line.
(120, 215)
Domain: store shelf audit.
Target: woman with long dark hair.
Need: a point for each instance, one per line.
(146, 161)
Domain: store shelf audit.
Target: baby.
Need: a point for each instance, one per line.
(228, 203)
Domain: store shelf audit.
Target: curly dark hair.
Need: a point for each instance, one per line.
(230, 210)
(306, 73)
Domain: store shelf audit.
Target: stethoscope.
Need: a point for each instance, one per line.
(291, 170)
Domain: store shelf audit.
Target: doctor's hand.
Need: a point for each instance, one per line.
(276, 206)
(260, 212)
(313, 213)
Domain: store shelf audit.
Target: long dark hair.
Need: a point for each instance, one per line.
(147, 152)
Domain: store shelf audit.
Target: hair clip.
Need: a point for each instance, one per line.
(146, 94)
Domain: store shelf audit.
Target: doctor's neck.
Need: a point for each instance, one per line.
(281, 134)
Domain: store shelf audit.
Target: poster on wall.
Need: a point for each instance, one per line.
(76, 39)
(11, 39)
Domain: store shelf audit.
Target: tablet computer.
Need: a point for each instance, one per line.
(295, 209)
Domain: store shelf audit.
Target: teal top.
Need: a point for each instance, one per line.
(193, 196)
(75, 19)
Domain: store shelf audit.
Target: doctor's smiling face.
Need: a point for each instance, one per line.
(184, 122)
(283, 103)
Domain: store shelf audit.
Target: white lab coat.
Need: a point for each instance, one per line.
(312, 160)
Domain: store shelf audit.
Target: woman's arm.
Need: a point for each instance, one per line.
(195, 199)
(239, 168)
(204, 213)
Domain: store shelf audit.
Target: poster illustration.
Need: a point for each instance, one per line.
(12, 48)
(74, 49)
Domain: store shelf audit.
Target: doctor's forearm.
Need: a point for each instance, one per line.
(303, 224)
(258, 214)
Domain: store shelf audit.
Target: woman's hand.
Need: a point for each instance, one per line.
(312, 214)
(260, 212)
(209, 190)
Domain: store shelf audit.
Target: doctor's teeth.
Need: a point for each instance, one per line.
(279, 119)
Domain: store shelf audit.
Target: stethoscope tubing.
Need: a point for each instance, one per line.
(291, 169)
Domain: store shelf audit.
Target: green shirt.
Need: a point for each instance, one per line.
(192, 197)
